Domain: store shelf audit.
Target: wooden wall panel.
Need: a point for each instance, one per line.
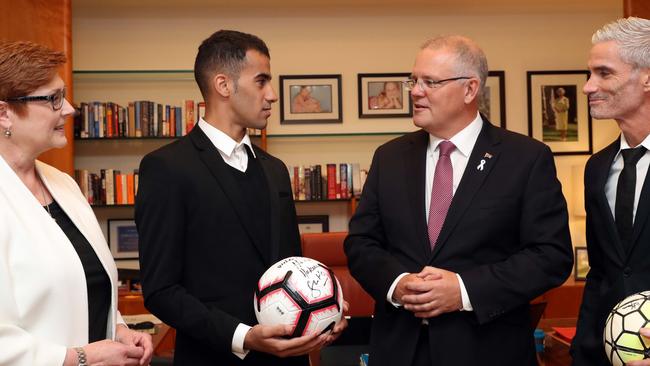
(48, 22)
(637, 8)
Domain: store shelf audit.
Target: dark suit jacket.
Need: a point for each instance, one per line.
(506, 234)
(615, 273)
(199, 257)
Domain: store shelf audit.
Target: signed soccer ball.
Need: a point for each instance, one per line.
(623, 343)
(301, 292)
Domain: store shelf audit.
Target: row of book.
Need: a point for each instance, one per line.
(141, 118)
(109, 187)
(337, 181)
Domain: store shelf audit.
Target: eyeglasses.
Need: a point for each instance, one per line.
(428, 83)
(55, 99)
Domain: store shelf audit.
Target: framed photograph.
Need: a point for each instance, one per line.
(384, 96)
(123, 238)
(310, 99)
(582, 263)
(313, 224)
(558, 111)
(492, 102)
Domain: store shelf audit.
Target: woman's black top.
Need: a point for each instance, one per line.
(97, 281)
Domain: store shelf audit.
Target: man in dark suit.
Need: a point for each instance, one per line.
(617, 191)
(214, 212)
(459, 226)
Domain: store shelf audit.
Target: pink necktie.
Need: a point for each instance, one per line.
(442, 191)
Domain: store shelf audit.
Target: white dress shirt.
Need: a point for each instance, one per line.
(464, 142)
(234, 154)
(615, 171)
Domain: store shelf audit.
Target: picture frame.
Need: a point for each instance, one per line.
(123, 238)
(558, 111)
(313, 224)
(310, 99)
(581, 264)
(384, 96)
(492, 102)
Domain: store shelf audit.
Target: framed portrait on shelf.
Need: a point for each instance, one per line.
(581, 263)
(310, 99)
(558, 111)
(313, 224)
(384, 96)
(123, 238)
(492, 102)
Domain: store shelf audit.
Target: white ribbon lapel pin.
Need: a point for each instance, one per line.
(481, 165)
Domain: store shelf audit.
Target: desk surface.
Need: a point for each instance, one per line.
(556, 353)
(163, 340)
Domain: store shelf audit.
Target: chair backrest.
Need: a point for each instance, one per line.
(327, 248)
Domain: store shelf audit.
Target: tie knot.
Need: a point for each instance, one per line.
(446, 147)
(632, 156)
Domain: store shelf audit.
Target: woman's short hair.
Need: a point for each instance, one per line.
(24, 67)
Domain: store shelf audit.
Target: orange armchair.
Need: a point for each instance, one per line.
(327, 248)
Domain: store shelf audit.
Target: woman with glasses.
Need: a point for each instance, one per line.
(58, 294)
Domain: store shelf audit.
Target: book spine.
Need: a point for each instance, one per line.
(316, 174)
(296, 182)
(308, 184)
(201, 111)
(350, 194)
(138, 118)
(110, 187)
(130, 189)
(344, 180)
(136, 181)
(331, 181)
(125, 195)
(115, 120)
(301, 183)
(159, 120)
(119, 198)
(189, 107)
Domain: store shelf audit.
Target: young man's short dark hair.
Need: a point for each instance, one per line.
(224, 52)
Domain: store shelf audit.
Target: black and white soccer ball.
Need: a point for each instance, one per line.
(623, 343)
(300, 292)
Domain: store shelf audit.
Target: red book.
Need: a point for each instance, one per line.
(130, 189)
(296, 183)
(331, 181)
(109, 120)
(172, 121)
(189, 110)
(119, 198)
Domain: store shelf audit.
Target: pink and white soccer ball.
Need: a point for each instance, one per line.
(301, 292)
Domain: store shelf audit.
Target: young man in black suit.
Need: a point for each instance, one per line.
(617, 191)
(214, 212)
(460, 225)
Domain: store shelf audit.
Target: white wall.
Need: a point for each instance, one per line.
(335, 42)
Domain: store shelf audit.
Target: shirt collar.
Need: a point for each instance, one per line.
(223, 142)
(463, 140)
(625, 145)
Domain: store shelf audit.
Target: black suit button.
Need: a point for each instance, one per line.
(627, 271)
